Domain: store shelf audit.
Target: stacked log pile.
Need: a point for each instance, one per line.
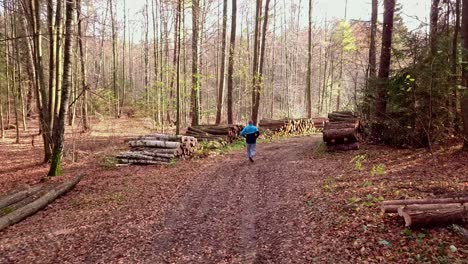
(341, 133)
(292, 126)
(157, 149)
(425, 212)
(226, 133)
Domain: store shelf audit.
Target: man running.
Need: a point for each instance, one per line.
(251, 133)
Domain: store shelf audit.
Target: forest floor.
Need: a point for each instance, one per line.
(295, 204)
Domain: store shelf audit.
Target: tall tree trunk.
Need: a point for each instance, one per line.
(179, 13)
(59, 128)
(84, 86)
(340, 84)
(219, 108)
(232, 50)
(155, 55)
(114, 62)
(195, 61)
(454, 68)
(261, 63)
(53, 35)
(256, 51)
(372, 58)
(464, 101)
(309, 66)
(385, 57)
(42, 101)
(55, 107)
(434, 26)
(124, 79)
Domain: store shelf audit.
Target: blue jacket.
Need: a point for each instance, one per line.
(251, 133)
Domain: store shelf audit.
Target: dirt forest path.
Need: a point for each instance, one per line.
(222, 209)
(241, 212)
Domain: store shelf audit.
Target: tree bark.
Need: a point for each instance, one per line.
(59, 127)
(385, 58)
(195, 63)
(454, 67)
(417, 217)
(232, 49)
(309, 66)
(256, 50)
(464, 100)
(32, 208)
(84, 86)
(219, 106)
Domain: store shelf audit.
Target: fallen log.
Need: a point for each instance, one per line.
(158, 150)
(143, 162)
(33, 207)
(340, 136)
(416, 217)
(391, 206)
(165, 137)
(140, 156)
(18, 196)
(154, 143)
(343, 147)
(340, 125)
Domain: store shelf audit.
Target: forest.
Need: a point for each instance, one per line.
(95, 87)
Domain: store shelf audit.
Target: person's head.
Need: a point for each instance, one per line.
(250, 123)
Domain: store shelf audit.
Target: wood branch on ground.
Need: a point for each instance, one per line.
(416, 216)
(42, 189)
(17, 196)
(33, 207)
(391, 206)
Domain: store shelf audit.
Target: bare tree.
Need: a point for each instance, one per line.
(464, 101)
(309, 66)
(219, 106)
(195, 62)
(232, 49)
(385, 57)
(59, 127)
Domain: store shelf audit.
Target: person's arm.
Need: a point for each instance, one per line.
(242, 133)
(257, 134)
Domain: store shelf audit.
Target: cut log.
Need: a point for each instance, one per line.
(391, 206)
(165, 137)
(154, 143)
(18, 196)
(31, 208)
(157, 150)
(141, 156)
(340, 136)
(433, 217)
(343, 147)
(340, 125)
(143, 162)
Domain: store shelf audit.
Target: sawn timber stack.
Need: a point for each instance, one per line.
(292, 126)
(342, 131)
(158, 149)
(227, 133)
